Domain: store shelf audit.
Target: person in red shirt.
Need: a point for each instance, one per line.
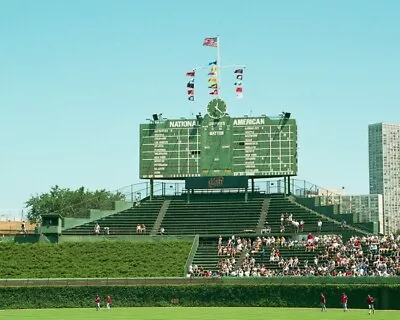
(97, 301)
(344, 302)
(323, 302)
(370, 301)
(109, 301)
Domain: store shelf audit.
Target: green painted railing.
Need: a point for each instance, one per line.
(199, 281)
(191, 255)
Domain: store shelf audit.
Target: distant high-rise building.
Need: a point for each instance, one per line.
(384, 171)
(364, 208)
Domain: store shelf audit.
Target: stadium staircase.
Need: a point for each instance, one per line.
(124, 222)
(207, 254)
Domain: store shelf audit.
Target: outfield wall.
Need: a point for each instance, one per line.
(207, 295)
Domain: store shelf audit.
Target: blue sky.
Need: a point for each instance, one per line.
(78, 77)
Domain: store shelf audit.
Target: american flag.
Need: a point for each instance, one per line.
(211, 42)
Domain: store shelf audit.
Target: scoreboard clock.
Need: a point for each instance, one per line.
(216, 108)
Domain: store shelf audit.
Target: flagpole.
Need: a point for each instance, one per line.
(218, 68)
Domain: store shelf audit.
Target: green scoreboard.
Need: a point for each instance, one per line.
(218, 146)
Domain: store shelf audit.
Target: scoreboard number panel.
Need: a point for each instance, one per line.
(248, 146)
(216, 148)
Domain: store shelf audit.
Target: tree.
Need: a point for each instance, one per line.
(70, 203)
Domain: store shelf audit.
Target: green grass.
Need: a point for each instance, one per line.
(197, 314)
(116, 259)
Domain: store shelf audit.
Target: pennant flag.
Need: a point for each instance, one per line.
(239, 77)
(212, 63)
(212, 73)
(191, 80)
(239, 83)
(211, 42)
(190, 85)
(239, 71)
(212, 80)
(214, 92)
(191, 92)
(213, 86)
(191, 98)
(239, 90)
(214, 68)
(191, 73)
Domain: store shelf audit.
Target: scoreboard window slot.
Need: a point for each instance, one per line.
(195, 152)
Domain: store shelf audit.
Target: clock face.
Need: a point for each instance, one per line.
(216, 108)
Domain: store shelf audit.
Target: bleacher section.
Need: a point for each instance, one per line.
(125, 222)
(212, 215)
(206, 255)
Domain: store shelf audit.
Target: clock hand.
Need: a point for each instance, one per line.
(216, 108)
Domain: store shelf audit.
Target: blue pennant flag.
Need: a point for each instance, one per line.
(212, 63)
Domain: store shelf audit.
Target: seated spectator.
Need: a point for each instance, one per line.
(23, 227)
(263, 230)
(138, 228)
(290, 219)
(97, 229)
(296, 226)
(143, 228)
(106, 230)
(319, 226)
(162, 230)
(138, 198)
(324, 255)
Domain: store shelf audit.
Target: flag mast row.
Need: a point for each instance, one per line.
(216, 42)
(218, 68)
(215, 74)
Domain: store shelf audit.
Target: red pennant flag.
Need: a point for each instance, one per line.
(239, 90)
(214, 92)
(190, 92)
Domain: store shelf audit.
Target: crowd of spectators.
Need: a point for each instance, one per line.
(314, 255)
